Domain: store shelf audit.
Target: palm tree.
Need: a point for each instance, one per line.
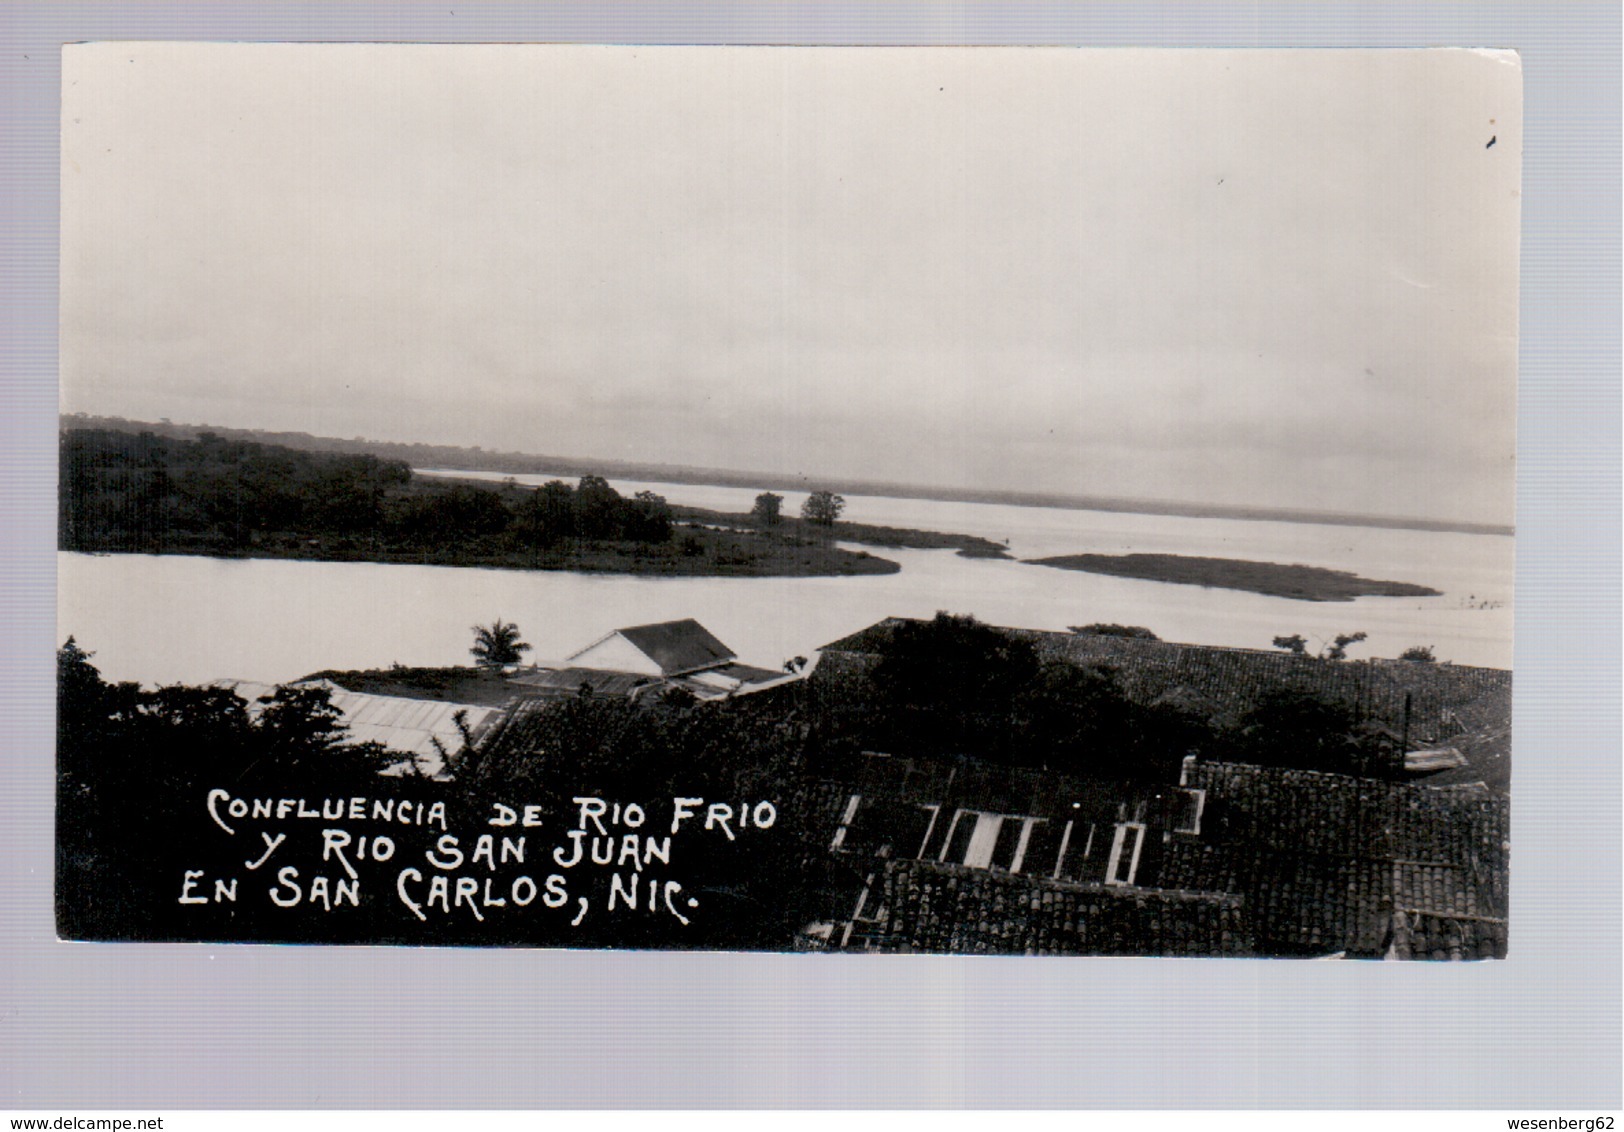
(497, 645)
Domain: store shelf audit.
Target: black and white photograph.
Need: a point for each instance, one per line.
(1045, 502)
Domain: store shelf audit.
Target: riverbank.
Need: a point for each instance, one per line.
(1299, 583)
(694, 552)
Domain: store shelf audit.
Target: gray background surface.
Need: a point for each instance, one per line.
(180, 1026)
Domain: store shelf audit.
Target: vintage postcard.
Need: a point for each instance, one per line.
(1044, 502)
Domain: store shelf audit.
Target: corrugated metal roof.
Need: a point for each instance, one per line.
(601, 681)
(750, 674)
(732, 680)
(400, 723)
(406, 725)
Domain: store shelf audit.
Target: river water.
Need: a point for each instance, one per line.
(165, 619)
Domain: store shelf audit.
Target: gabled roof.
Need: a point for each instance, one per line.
(871, 639)
(676, 646)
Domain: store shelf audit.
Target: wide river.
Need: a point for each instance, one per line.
(167, 619)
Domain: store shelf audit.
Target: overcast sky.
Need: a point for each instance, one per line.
(1278, 278)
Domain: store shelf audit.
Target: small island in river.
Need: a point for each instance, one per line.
(1302, 583)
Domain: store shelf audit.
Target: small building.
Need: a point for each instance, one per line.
(666, 648)
(646, 660)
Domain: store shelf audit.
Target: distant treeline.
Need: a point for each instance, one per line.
(128, 492)
(417, 455)
(517, 463)
(148, 493)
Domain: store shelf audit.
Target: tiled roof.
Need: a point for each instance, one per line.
(1233, 680)
(1444, 699)
(1417, 935)
(1312, 812)
(1316, 904)
(926, 906)
(1437, 889)
(1328, 862)
(1296, 903)
(678, 646)
(1314, 863)
(522, 730)
(1485, 741)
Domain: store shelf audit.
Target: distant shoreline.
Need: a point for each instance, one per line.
(1272, 579)
(454, 458)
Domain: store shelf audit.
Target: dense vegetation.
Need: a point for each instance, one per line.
(135, 768)
(1303, 583)
(123, 492)
(953, 686)
(763, 518)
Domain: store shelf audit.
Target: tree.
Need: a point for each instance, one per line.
(1296, 645)
(768, 509)
(1297, 727)
(647, 518)
(822, 508)
(551, 514)
(497, 645)
(77, 680)
(1422, 653)
(304, 739)
(598, 508)
(1338, 649)
(132, 765)
(949, 685)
